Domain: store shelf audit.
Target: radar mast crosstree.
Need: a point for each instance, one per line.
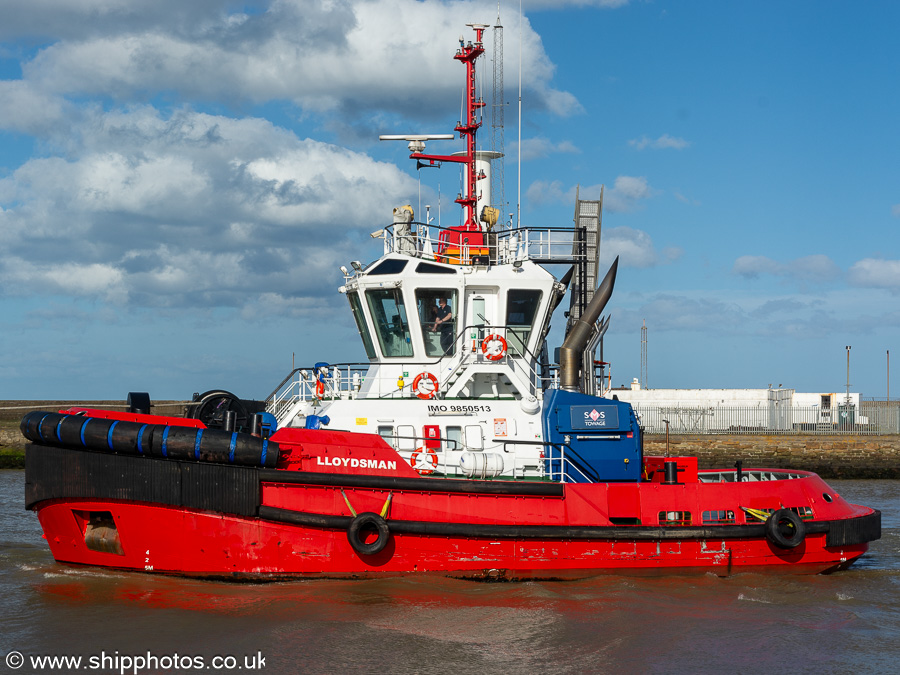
(467, 53)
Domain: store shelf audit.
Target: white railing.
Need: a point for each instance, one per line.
(769, 419)
(505, 246)
(747, 476)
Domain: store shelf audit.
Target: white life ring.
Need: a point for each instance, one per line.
(428, 462)
(426, 391)
(488, 349)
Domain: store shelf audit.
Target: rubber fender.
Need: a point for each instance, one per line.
(784, 529)
(368, 522)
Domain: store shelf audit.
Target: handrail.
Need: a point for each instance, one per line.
(562, 459)
(504, 245)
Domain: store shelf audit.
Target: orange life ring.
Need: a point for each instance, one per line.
(320, 389)
(425, 394)
(494, 338)
(429, 458)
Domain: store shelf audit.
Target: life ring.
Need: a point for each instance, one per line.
(426, 394)
(784, 529)
(320, 389)
(485, 347)
(430, 457)
(364, 524)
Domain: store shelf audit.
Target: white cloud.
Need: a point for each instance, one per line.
(26, 109)
(539, 148)
(559, 4)
(544, 192)
(350, 56)
(634, 247)
(684, 199)
(241, 206)
(813, 268)
(876, 273)
(626, 194)
(664, 142)
(728, 312)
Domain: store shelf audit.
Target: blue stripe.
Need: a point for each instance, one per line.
(231, 447)
(58, 425)
(140, 439)
(165, 450)
(82, 430)
(109, 434)
(197, 443)
(39, 426)
(262, 458)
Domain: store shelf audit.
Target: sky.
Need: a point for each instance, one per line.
(180, 182)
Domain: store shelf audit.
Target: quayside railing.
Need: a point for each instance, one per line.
(864, 419)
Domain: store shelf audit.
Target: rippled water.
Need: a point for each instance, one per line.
(844, 622)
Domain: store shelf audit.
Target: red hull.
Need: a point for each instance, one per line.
(183, 541)
(166, 515)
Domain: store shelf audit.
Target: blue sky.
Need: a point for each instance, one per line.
(179, 182)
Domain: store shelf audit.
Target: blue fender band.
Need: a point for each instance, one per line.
(197, 443)
(141, 439)
(82, 430)
(58, 425)
(262, 457)
(231, 447)
(40, 421)
(165, 440)
(109, 434)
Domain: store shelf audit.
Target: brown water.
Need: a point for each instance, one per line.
(841, 623)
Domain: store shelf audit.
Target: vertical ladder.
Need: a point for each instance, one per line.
(586, 253)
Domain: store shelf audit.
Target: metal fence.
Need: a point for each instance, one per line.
(875, 417)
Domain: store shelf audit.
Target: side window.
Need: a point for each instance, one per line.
(406, 437)
(387, 433)
(453, 439)
(521, 310)
(389, 314)
(437, 309)
(356, 307)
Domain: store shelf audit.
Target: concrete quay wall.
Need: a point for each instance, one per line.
(844, 456)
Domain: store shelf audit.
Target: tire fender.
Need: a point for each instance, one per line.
(784, 529)
(367, 522)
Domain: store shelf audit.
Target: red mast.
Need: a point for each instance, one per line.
(467, 53)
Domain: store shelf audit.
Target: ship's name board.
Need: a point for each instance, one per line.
(594, 417)
(356, 463)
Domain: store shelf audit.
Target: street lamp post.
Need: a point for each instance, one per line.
(848, 375)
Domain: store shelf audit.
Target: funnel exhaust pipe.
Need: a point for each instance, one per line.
(572, 349)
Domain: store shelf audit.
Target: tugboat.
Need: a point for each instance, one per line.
(457, 449)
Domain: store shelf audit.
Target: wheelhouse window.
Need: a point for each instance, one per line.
(389, 314)
(429, 268)
(389, 266)
(437, 309)
(521, 310)
(359, 317)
